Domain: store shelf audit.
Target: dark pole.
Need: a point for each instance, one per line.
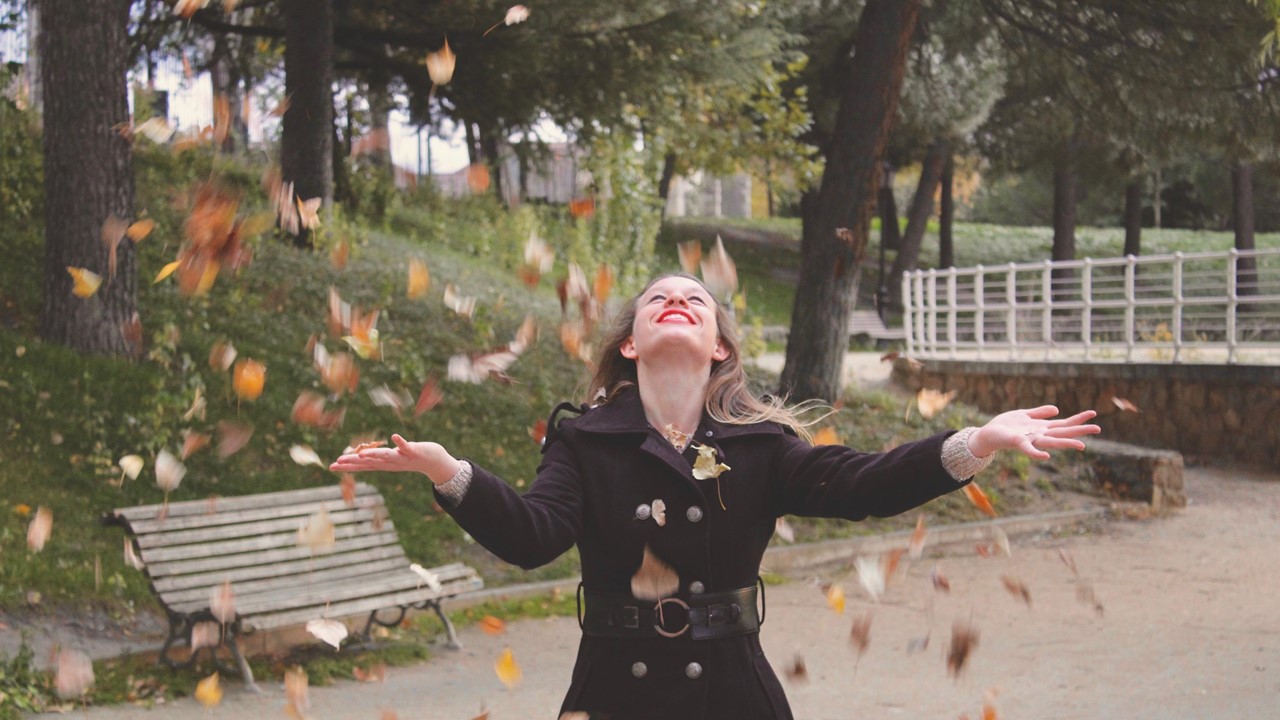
(882, 292)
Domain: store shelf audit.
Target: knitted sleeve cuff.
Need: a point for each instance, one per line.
(958, 460)
(455, 488)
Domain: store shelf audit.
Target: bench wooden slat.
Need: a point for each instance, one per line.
(347, 572)
(208, 580)
(246, 545)
(239, 502)
(356, 607)
(145, 527)
(222, 562)
(238, 530)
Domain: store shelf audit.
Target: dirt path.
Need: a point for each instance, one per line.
(1191, 629)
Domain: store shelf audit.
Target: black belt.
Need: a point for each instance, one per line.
(703, 616)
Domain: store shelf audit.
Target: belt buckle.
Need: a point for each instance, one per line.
(657, 626)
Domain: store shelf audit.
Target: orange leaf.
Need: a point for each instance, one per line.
(979, 498)
(348, 485)
(192, 441)
(507, 669)
(1125, 404)
(582, 208)
(140, 229)
(835, 597)
(931, 402)
(208, 691)
(690, 255)
(339, 255)
(428, 398)
(1016, 588)
(539, 431)
(477, 177)
(86, 281)
(248, 379)
(440, 66)
(916, 546)
(604, 283)
(419, 279)
(826, 436)
(492, 625)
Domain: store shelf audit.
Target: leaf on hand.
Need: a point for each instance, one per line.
(507, 669)
(654, 579)
(979, 498)
(317, 532)
(1125, 405)
(826, 436)
(86, 282)
(492, 625)
(419, 279)
(330, 631)
(1017, 588)
(431, 579)
(74, 675)
(916, 547)
(40, 528)
(169, 471)
(209, 691)
(440, 64)
(248, 379)
(690, 256)
(222, 603)
(719, 272)
(964, 638)
(706, 467)
(931, 402)
(860, 633)
(871, 575)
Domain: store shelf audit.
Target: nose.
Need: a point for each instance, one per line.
(676, 299)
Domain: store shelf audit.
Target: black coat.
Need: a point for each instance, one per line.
(600, 467)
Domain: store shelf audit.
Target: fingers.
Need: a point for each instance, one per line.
(1076, 419)
(1043, 412)
(400, 442)
(1028, 448)
(1073, 431)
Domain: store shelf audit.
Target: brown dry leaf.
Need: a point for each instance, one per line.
(366, 445)
(192, 441)
(916, 547)
(706, 467)
(340, 375)
(1085, 594)
(187, 8)
(964, 638)
(340, 254)
(719, 271)
(582, 207)
(658, 509)
(604, 283)
(348, 486)
(1125, 405)
(248, 379)
(891, 560)
(538, 259)
(1017, 588)
(796, 671)
(477, 178)
(113, 231)
(222, 356)
(40, 528)
(940, 582)
(492, 625)
(507, 669)
(539, 431)
(419, 279)
(232, 437)
(655, 579)
(826, 436)
(890, 356)
(222, 603)
(376, 673)
(1068, 560)
(931, 402)
(979, 498)
(209, 691)
(440, 64)
(690, 256)
(429, 397)
(74, 674)
(860, 633)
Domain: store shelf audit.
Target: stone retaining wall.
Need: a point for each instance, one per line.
(1227, 412)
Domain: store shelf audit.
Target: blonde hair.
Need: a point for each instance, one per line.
(728, 401)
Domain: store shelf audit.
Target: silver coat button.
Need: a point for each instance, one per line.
(693, 671)
(696, 587)
(643, 512)
(709, 433)
(694, 514)
(639, 669)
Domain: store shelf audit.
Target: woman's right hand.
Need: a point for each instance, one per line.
(428, 458)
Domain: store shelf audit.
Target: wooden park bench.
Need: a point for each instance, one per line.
(192, 548)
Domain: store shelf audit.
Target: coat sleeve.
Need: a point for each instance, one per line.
(838, 482)
(532, 529)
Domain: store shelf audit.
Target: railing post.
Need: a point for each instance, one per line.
(1233, 300)
(951, 307)
(1086, 314)
(908, 282)
(1177, 307)
(1011, 311)
(918, 289)
(979, 316)
(1129, 300)
(1046, 314)
(932, 325)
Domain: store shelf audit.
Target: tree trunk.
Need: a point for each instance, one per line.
(306, 146)
(908, 256)
(1065, 183)
(88, 175)
(664, 182)
(1133, 217)
(380, 104)
(890, 233)
(845, 201)
(1242, 224)
(220, 80)
(489, 149)
(947, 215)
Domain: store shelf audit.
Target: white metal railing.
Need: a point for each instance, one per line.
(1185, 307)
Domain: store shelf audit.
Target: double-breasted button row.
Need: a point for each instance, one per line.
(644, 511)
(696, 587)
(693, 670)
(694, 513)
(639, 669)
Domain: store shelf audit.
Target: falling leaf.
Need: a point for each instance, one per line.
(169, 471)
(989, 711)
(222, 356)
(835, 597)
(22, 509)
(706, 467)
(917, 644)
(309, 410)
(130, 557)
(419, 279)
(113, 231)
(440, 64)
(655, 579)
(1085, 594)
(539, 431)
(1125, 405)
(340, 373)
(192, 442)
(330, 631)
(304, 455)
(205, 634)
(860, 633)
(492, 625)
(464, 306)
(156, 130)
(1001, 541)
(1016, 588)
(476, 369)
(140, 229)
(1068, 560)
(248, 379)
(429, 397)
(796, 671)
(659, 512)
(208, 691)
(916, 547)
(40, 528)
(376, 673)
(222, 603)
(507, 669)
(131, 466)
(339, 254)
(221, 118)
(197, 406)
(166, 271)
(187, 8)
(582, 208)
(295, 690)
(784, 531)
(477, 177)
(826, 436)
(979, 498)
(604, 283)
(931, 402)
(308, 212)
(890, 356)
(86, 281)
(431, 579)
(719, 271)
(690, 255)
(963, 640)
(515, 14)
(871, 575)
(232, 437)
(74, 674)
(281, 107)
(317, 532)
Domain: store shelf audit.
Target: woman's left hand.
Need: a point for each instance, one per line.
(1032, 432)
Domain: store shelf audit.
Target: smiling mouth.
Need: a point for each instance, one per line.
(668, 315)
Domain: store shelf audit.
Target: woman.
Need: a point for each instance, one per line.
(680, 638)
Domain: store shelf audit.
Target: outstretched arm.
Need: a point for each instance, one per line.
(1032, 432)
(428, 458)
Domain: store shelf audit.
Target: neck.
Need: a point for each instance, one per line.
(673, 396)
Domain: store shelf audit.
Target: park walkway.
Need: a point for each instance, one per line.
(1188, 631)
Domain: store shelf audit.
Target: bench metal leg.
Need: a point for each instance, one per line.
(245, 671)
(448, 626)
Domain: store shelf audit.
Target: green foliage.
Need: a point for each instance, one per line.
(22, 687)
(620, 233)
(22, 202)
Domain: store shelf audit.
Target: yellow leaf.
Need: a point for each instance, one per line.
(86, 281)
(706, 467)
(140, 229)
(208, 691)
(166, 271)
(507, 669)
(931, 402)
(248, 379)
(308, 212)
(826, 436)
(419, 279)
(835, 598)
(22, 509)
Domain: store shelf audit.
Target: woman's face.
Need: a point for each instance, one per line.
(675, 315)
